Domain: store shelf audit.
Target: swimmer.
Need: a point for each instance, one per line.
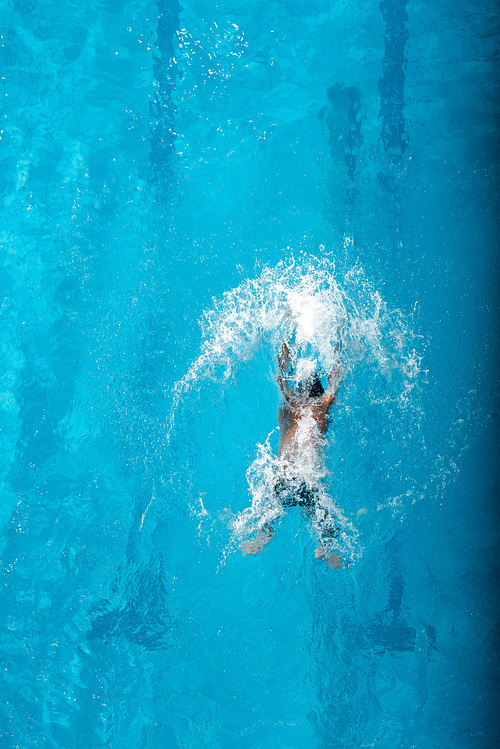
(303, 418)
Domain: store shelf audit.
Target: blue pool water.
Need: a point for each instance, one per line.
(175, 182)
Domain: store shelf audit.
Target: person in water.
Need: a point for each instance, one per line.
(303, 419)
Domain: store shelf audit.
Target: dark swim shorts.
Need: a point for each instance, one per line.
(291, 492)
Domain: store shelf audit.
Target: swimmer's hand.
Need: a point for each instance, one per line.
(334, 376)
(329, 398)
(284, 359)
(283, 363)
(333, 560)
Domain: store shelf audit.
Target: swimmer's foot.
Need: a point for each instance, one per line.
(255, 545)
(333, 560)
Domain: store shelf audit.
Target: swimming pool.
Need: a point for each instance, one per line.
(175, 179)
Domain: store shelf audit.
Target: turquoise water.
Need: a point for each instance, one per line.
(177, 184)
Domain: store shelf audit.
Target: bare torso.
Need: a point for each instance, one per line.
(295, 413)
(302, 419)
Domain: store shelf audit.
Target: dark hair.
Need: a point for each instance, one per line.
(312, 387)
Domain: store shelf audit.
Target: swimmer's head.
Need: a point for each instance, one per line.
(312, 387)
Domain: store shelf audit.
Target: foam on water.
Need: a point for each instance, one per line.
(331, 321)
(320, 309)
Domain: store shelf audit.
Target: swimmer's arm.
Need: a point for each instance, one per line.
(329, 398)
(284, 388)
(283, 418)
